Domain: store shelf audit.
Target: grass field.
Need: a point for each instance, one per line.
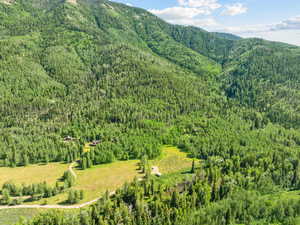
(33, 173)
(108, 177)
(172, 160)
(94, 181)
(12, 216)
(97, 180)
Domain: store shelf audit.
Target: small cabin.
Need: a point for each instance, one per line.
(69, 138)
(155, 171)
(95, 143)
(158, 174)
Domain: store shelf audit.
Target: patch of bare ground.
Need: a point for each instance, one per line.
(74, 2)
(155, 171)
(7, 2)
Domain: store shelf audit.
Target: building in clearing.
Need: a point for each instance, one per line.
(69, 138)
(155, 171)
(95, 143)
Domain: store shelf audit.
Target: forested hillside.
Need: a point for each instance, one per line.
(72, 71)
(76, 71)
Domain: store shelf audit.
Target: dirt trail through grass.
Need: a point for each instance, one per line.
(72, 165)
(155, 171)
(98, 179)
(49, 206)
(53, 206)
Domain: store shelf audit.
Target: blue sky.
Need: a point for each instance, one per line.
(277, 20)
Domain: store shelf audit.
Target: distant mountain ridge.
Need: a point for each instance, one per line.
(81, 68)
(78, 71)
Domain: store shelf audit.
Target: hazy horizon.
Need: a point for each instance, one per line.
(274, 21)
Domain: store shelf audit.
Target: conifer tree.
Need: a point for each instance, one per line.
(193, 166)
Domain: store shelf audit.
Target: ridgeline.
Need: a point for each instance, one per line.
(98, 70)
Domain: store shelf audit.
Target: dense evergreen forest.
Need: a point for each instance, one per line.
(73, 72)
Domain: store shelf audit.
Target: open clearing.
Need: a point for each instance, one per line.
(108, 177)
(33, 173)
(172, 160)
(12, 216)
(97, 180)
(94, 181)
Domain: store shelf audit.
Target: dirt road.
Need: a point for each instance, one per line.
(72, 165)
(53, 206)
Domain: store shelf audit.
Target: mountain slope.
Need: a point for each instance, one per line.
(265, 76)
(65, 61)
(72, 62)
(98, 70)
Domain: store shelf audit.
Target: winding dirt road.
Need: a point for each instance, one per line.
(155, 171)
(54, 206)
(50, 206)
(72, 165)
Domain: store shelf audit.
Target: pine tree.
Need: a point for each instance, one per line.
(83, 163)
(46, 158)
(193, 166)
(5, 200)
(81, 195)
(174, 199)
(71, 197)
(77, 196)
(25, 160)
(89, 162)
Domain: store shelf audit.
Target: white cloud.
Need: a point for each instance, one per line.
(289, 24)
(235, 9)
(285, 31)
(204, 23)
(245, 29)
(185, 16)
(189, 12)
(208, 4)
(287, 36)
(199, 13)
(177, 13)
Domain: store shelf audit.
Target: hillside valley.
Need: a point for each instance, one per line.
(99, 84)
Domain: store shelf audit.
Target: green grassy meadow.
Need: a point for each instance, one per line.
(108, 177)
(33, 173)
(12, 216)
